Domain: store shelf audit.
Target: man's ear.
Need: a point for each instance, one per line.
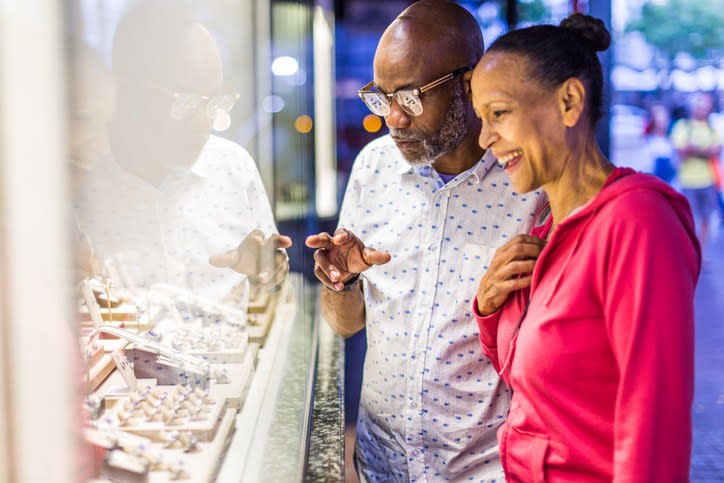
(572, 100)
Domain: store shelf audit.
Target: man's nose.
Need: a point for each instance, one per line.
(200, 119)
(397, 118)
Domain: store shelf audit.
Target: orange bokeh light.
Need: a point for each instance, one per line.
(303, 124)
(372, 123)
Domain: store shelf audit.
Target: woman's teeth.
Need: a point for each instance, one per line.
(508, 157)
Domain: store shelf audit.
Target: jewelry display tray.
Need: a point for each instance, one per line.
(212, 433)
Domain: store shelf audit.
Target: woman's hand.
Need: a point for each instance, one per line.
(511, 269)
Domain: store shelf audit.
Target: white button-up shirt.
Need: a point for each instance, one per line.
(166, 233)
(431, 402)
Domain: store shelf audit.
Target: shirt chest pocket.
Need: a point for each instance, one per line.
(474, 262)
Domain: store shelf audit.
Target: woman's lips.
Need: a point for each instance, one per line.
(504, 159)
(513, 165)
(510, 160)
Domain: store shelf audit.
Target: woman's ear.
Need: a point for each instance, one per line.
(572, 100)
(467, 77)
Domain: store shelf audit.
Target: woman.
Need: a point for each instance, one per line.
(589, 320)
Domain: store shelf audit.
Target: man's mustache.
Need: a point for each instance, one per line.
(406, 135)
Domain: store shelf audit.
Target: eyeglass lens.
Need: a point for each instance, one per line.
(409, 102)
(380, 105)
(223, 102)
(184, 103)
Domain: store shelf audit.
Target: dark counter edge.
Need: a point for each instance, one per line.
(325, 449)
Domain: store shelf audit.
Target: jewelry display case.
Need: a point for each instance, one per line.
(275, 414)
(88, 385)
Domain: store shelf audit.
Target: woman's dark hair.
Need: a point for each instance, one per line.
(556, 54)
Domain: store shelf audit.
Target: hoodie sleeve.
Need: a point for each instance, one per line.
(647, 290)
(488, 325)
(498, 329)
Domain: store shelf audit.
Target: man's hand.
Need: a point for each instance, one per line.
(262, 259)
(511, 269)
(338, 258)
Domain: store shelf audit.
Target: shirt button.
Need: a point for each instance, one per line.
(413, 404)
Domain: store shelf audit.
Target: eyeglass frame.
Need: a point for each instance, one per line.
(230, 92)
(417, 91)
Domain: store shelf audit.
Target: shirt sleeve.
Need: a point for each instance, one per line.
(715, 138)
(351, 203)
(648, 292)
(257, 201)
(679, 135)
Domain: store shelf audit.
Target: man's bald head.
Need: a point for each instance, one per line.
(160, 54)
(160, 43)
(427, 41)
(436, 31)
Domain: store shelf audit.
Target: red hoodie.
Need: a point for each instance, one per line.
(602, 365)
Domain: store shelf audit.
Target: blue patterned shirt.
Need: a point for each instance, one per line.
(431, 402)
(166, 233)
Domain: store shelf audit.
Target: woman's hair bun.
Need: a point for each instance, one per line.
(591, 30)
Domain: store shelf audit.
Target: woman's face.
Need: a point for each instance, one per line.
(522, 121)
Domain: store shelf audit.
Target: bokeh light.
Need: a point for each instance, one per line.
(303, 124)
(272, 103)
(285, 66)
(372, 123)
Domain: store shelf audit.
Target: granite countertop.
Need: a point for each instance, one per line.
(326, 446)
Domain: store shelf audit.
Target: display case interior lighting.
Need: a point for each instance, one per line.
(285, 66)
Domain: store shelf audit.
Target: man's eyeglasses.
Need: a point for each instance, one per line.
(408, 99)
(185, 103)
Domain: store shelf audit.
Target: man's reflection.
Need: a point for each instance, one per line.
(171, 195)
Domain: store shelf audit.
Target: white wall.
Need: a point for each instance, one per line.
(36, 337)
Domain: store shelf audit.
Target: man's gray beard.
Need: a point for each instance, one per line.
(449, 137)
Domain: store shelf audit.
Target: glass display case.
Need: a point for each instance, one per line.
(274, 413)
(145, 336)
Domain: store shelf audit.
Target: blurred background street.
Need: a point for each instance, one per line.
(708, 452)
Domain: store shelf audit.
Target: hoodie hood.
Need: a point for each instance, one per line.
(626, 182)
(622, 181)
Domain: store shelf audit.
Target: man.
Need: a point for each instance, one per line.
(428, 206)
(171, 195)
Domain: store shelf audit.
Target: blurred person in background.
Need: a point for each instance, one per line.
(171, 195)
(91, 106)
(699, 145)
(658, 145)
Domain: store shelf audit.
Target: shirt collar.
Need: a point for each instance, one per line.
(479, 169)
(200, 168)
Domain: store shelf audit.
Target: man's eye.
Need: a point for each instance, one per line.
(499, 114)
